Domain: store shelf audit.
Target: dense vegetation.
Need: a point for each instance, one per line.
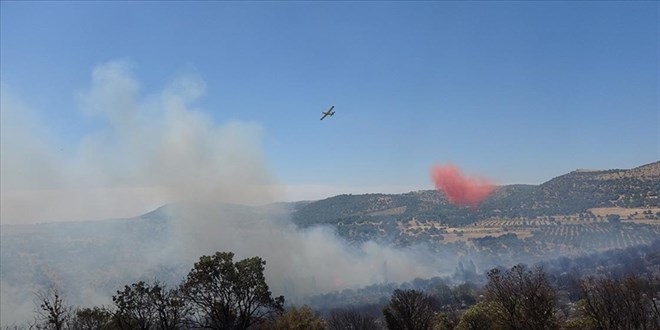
(615, 290)
(606, 257)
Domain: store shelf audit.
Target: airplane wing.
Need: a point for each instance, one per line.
(328, 113)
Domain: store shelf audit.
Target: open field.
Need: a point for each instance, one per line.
(457, 235)
(558, 230)
(627, 213)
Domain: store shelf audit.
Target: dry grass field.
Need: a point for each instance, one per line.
(562, 225)
(462, 235)
(625, 213)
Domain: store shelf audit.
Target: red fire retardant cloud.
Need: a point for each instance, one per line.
(460, 190)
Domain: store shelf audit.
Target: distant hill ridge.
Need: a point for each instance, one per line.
(502, 231)
(570, 193)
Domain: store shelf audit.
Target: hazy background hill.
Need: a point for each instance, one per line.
(346, 241)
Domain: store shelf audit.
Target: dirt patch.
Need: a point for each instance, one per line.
(393, 211)
(625, 213)
(643, 221)
(454, 235)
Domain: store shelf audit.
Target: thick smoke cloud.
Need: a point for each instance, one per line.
(460, 190)
(156, 149)
(147, 151)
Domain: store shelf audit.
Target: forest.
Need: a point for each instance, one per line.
(617, 289)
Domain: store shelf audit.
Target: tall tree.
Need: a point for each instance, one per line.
(525, 298)
(480, 316)
(96, 318)
(170, 307)
(149, 306)
(135, 308)
(229, 295)
(629, 303)
(302, 318)
(410, 310)
(53, 313)
(350, 319)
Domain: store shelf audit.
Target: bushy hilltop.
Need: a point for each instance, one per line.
(581, 190)
(386, 208)
(572, 193)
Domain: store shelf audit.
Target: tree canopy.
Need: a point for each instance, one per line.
(229, 295)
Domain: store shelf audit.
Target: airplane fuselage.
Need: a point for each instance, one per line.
(330, 112)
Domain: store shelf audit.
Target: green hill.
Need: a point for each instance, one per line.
(571, 193)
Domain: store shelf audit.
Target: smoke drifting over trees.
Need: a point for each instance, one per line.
(158, 148)
(146, 151)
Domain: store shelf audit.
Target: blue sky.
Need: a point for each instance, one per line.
(519, 92)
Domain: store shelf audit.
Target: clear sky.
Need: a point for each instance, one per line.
(518, 92)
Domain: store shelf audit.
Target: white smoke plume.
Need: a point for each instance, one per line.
(150, 150)
(154, 149)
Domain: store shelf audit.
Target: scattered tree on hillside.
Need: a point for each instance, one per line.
(466, 272)
(465, 294)
(614, 218)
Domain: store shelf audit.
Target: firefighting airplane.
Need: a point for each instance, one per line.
(330, 112)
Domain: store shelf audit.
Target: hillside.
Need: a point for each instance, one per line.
(572, 193)
(581, 190)
(572, 215)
